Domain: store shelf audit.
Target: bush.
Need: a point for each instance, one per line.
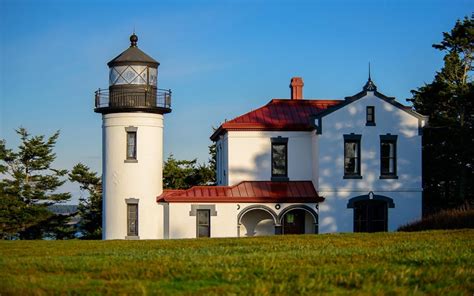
(447, 219)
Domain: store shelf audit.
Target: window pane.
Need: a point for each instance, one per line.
(350, 149)
(132, 215)
(387, 157)
(153, 76)
(370, 114)
(351, 161)
(279, 159)
(349, 165)
(385, 163)
(131, 145)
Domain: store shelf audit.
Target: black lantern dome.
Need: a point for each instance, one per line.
(133, 84)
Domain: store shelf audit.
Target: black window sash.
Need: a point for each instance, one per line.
(388, 155)
(370, 114)
(352, 155)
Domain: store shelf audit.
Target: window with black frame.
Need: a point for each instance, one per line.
(352, 156)
(388, 156)
(370, 116)
(279, 159)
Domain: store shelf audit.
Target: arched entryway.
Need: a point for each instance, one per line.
(299, 219)
(370, 212)
(256, 221)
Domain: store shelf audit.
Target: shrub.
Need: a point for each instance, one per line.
(448, 219)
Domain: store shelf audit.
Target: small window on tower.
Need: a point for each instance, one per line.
(370, 116)
(132, 220)
(131, 145)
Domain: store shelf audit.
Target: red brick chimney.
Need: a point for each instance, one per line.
(296, 87)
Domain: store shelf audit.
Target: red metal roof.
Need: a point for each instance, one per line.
(246, 191)
(278, 114)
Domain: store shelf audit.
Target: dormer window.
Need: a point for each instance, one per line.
(370, 116)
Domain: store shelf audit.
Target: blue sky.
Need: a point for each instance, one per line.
(220, 58)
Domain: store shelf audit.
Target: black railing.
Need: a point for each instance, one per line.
(146, 98)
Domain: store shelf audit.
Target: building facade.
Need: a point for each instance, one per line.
(292, 166)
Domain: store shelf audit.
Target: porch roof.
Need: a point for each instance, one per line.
(247, 192)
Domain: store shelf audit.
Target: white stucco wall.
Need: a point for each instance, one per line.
(249, 155)
(405, 191)
(181, 224)
(141, 180)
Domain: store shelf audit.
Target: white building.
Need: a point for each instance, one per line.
(292, 166)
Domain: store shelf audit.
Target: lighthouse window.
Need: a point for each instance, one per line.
(132, 219)
(131, 145)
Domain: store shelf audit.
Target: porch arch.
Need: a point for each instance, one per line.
(257, 220)
(257, 207)
(370, 212)
(388, 200)
(312, 212)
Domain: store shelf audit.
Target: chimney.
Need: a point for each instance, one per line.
(296, 87)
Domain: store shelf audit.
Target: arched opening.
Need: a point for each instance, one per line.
(256, 221)
(299, 220)
(370, 212)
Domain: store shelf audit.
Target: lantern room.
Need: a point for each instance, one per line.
(133, 84)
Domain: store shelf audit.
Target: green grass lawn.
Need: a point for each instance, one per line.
(435, 262)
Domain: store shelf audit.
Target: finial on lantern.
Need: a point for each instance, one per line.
(133, 40)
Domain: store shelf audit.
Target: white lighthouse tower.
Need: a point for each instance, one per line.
(132, 146)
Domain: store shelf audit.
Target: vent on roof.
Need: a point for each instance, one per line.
(296, 86)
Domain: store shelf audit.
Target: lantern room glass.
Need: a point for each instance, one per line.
(132, 75)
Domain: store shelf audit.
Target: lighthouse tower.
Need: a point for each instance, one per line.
(132, 146)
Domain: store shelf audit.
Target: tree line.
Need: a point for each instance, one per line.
(448, 140)
(29, 183)
(30, 187)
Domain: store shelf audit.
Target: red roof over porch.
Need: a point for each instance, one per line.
(247, 191)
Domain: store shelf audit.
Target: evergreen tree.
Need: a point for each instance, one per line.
(183, 174)
(448, 141)
(28, 186)
(90, 206)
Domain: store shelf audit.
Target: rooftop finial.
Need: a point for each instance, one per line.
(369, 71)
(133, 39)
(369, 86)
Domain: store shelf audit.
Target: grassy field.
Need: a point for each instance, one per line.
(435, 262)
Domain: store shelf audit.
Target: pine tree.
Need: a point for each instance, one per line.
(28, 186)
(448, 141)
(183, 174)
(90, 206)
